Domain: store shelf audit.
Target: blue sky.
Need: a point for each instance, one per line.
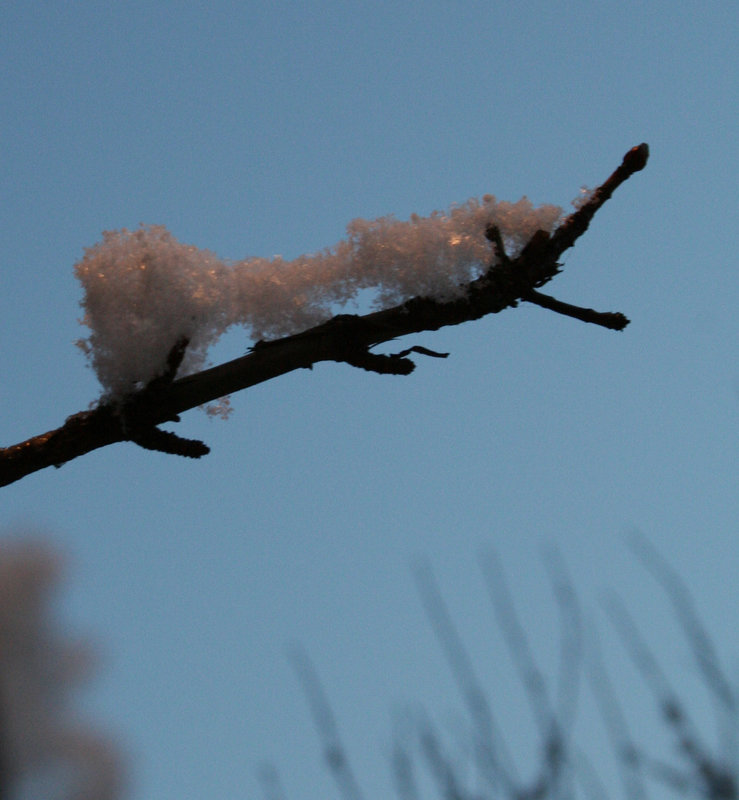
(258, 129)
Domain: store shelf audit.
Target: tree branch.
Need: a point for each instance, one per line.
(345, 338)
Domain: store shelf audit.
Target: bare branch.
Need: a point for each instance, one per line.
(698, 639)
(517, 642)
(333, 748)
(554, 774)
(705, 773)
(617, 729)
(571, 637)
(269, 780)
(492, 757)
(402, 765)
(442, 768)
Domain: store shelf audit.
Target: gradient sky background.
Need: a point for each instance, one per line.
(263, 128)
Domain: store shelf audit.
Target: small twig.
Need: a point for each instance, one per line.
(269, 779)
(713, 771)
(440, 765)
(617, 729)
(517, 641)
(571, 638)
(492, 234)
(709, 773)
(140, 413)
(554, 773)
(493, 759)
(323, 717)
(174, 359)
(614, 320)
(153, 438)
(682, 601)
(402, 767)
(377, 362)
(424, 351)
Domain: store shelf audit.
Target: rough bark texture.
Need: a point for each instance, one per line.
(347, 338)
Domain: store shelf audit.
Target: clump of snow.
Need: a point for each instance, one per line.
(144, 290)
(585, 196)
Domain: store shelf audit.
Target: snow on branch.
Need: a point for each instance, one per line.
(144, 290)
(154, 306)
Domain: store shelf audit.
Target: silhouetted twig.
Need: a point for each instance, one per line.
(706, 775)
(333, 748)
(269, 779)
(554, 779)
(403, 773)
(562, 771)
(492, 757)
(571, 638)
(444, 771)
(700, 642)
(617, 729)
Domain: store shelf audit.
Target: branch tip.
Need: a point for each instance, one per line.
(636, 158)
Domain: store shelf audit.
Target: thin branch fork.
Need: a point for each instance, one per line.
(344, 338)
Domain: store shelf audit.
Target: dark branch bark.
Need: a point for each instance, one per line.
(345, 338)
(614, 320)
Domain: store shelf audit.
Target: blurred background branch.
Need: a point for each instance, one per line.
(424, 756)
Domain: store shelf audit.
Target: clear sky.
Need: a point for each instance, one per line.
(262, 129)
